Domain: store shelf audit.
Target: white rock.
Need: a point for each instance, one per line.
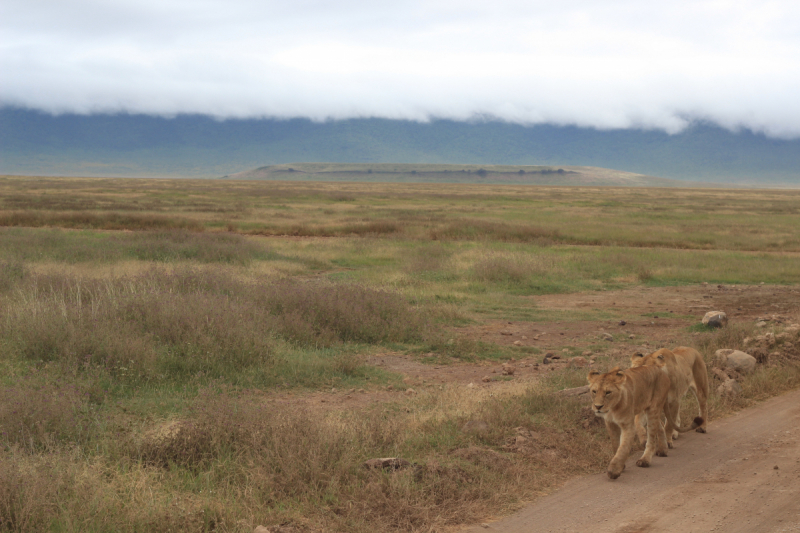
(735, 359)
(715, 319)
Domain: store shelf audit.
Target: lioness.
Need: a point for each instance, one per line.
(618, 396)
(687, 371)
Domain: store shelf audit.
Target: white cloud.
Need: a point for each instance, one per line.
(612, 64)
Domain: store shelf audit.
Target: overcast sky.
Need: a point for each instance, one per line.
(598, 63)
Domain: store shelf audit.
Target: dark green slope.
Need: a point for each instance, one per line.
(193, 145)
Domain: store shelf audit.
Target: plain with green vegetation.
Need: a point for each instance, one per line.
(158, 339)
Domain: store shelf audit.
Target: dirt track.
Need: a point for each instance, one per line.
(725, 481)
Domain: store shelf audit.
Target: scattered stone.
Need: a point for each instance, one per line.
(546, 361)
(486, 379)
(775, 467)
(730, 389)
(631, 336)
(520, 441)
(587, 353)
(769, 338)
(476, 427)
(508, 369)
(471, 385)
(505, 332)
(735, 359)
(386, 463)
(362, 391)
(761, 324)
(578, 362)
(517, 343)
(746, 341)
(577, 391)
(715, 319)
(607, 337)
(524, 338)
(261, 529)
(389, 387)
(622, 322)
(410, 392)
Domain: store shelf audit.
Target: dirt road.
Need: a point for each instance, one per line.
(742, 476)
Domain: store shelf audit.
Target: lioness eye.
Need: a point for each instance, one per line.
(608, 392)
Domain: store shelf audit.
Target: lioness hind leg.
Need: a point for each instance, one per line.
(671, 410)
(702, 402)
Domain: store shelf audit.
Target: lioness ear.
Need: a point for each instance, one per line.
(661, 356)
(592, 376)
(638, 354)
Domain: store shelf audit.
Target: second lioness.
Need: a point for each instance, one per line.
(687, 371)
(619, 397)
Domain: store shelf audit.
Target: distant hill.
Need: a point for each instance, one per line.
(425, 173)
(199, 146)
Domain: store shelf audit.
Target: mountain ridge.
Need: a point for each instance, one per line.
(36, 143)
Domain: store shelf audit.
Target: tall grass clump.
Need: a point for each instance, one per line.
(39, 416)
(91, 220)
(476, 230)
(173, 324)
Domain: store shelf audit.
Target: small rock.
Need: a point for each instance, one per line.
(622, 322)
(410, 392)
(565, 350)
(631, 336)
(517, 343)
(524, 338)
(386, 463)
(578, 362)
(520, 441)
(775, 467)
(546, 361)
(471, 385)
(333, 389)
(730, 389)
(508, 370)
(715, 319)
(486, 379)
(506, 332)
(587, 353)
(761, 324)
(362, 391)
(261, 529)
(607, 337)
(735, 359)
(389, 387)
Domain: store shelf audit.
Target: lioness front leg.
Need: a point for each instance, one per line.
(617, 464)
(656, 439)
(640, 422)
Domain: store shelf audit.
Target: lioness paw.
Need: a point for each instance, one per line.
(613, 475)
(644, 463)
(662, 453)
(670, 446)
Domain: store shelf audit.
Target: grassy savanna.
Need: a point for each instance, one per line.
(158, 338)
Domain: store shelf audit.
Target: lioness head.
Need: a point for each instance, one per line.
(604, 390)
(654, 359)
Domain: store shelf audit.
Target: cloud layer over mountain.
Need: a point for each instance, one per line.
(611, 64)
